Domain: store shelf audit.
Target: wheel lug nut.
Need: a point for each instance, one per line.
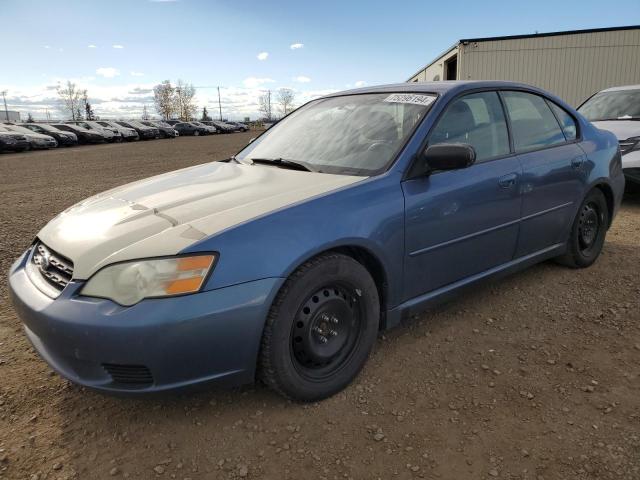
(334, 319)
(333, 333)
(323, 339)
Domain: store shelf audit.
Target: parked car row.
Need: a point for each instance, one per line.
(33, 136)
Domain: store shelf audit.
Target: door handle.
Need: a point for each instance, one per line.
(577, 162)
(508, 181)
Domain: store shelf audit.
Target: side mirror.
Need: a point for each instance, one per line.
(449, 156)
(252, 139)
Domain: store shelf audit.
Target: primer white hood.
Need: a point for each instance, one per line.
(622, 129)
(165, 214)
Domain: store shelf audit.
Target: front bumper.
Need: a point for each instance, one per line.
(632, 175)
(64, 140)
(209, 337)
(42, 144)
(17, 146)
(631, 166)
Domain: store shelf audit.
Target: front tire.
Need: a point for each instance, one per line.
(320, 329)
(588, 232)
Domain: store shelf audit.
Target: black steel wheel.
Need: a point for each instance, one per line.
(588, 226)
(588, 231)
(320, 329)
(325, 331)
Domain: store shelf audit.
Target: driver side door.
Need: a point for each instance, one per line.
(460, 223)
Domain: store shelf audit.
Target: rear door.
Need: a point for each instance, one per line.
(544, 137)
(459, 223)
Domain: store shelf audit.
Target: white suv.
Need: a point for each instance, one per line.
(617, 109)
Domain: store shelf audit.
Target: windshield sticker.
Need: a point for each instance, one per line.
(416, 99)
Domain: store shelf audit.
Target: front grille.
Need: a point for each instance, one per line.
(627, 145)
(54, 268)
(129, 374)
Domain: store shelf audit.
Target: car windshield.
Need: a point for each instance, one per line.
(613, 105)
(16, 128)
(47, 128)
(351, 134)
(66, 126)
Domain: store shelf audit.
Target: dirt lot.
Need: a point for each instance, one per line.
(532, 377)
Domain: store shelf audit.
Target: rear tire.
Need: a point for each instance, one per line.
(320, 329)
(588, 232)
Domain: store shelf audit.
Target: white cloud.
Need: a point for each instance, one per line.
(117, 46)
(296, 46)
(136, 74)
(47, 46)
(360, 83)
(302, 79)
(91, 46)
(107, 72)
(263, 55)
(253, 82)
(125, 96)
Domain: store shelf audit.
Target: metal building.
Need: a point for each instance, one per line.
(573, 64)
(9, 116)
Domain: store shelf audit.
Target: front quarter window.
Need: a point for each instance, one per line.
(351, 134)
(476, 119)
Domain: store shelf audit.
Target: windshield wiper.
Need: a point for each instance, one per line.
(619, 119)
(284, 163)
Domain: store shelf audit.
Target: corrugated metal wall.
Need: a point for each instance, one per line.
(572, 66)
(435, 71)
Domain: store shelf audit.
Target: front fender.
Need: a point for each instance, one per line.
(369, 215)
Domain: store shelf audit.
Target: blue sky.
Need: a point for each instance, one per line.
(119, 49)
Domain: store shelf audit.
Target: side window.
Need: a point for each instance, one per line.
(567, 122)
(478, 120)
(533, 125)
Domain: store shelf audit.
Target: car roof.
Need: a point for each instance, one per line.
(440, 87)
(622, 87)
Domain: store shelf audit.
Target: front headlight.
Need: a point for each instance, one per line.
(130, 282)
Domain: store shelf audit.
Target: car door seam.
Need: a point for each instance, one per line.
(464, 237)
(487, 230)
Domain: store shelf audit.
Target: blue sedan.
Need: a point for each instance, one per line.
(284, 262)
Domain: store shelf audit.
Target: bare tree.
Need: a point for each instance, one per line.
(184, 100)
(145, 113)
(286, 96)
(163, 97)
(264, 105)
(88, 110)
(71, 98)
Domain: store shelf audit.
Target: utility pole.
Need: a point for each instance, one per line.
(219, 104)
(6, 110)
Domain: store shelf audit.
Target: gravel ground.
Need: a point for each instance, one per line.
(532, 377)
